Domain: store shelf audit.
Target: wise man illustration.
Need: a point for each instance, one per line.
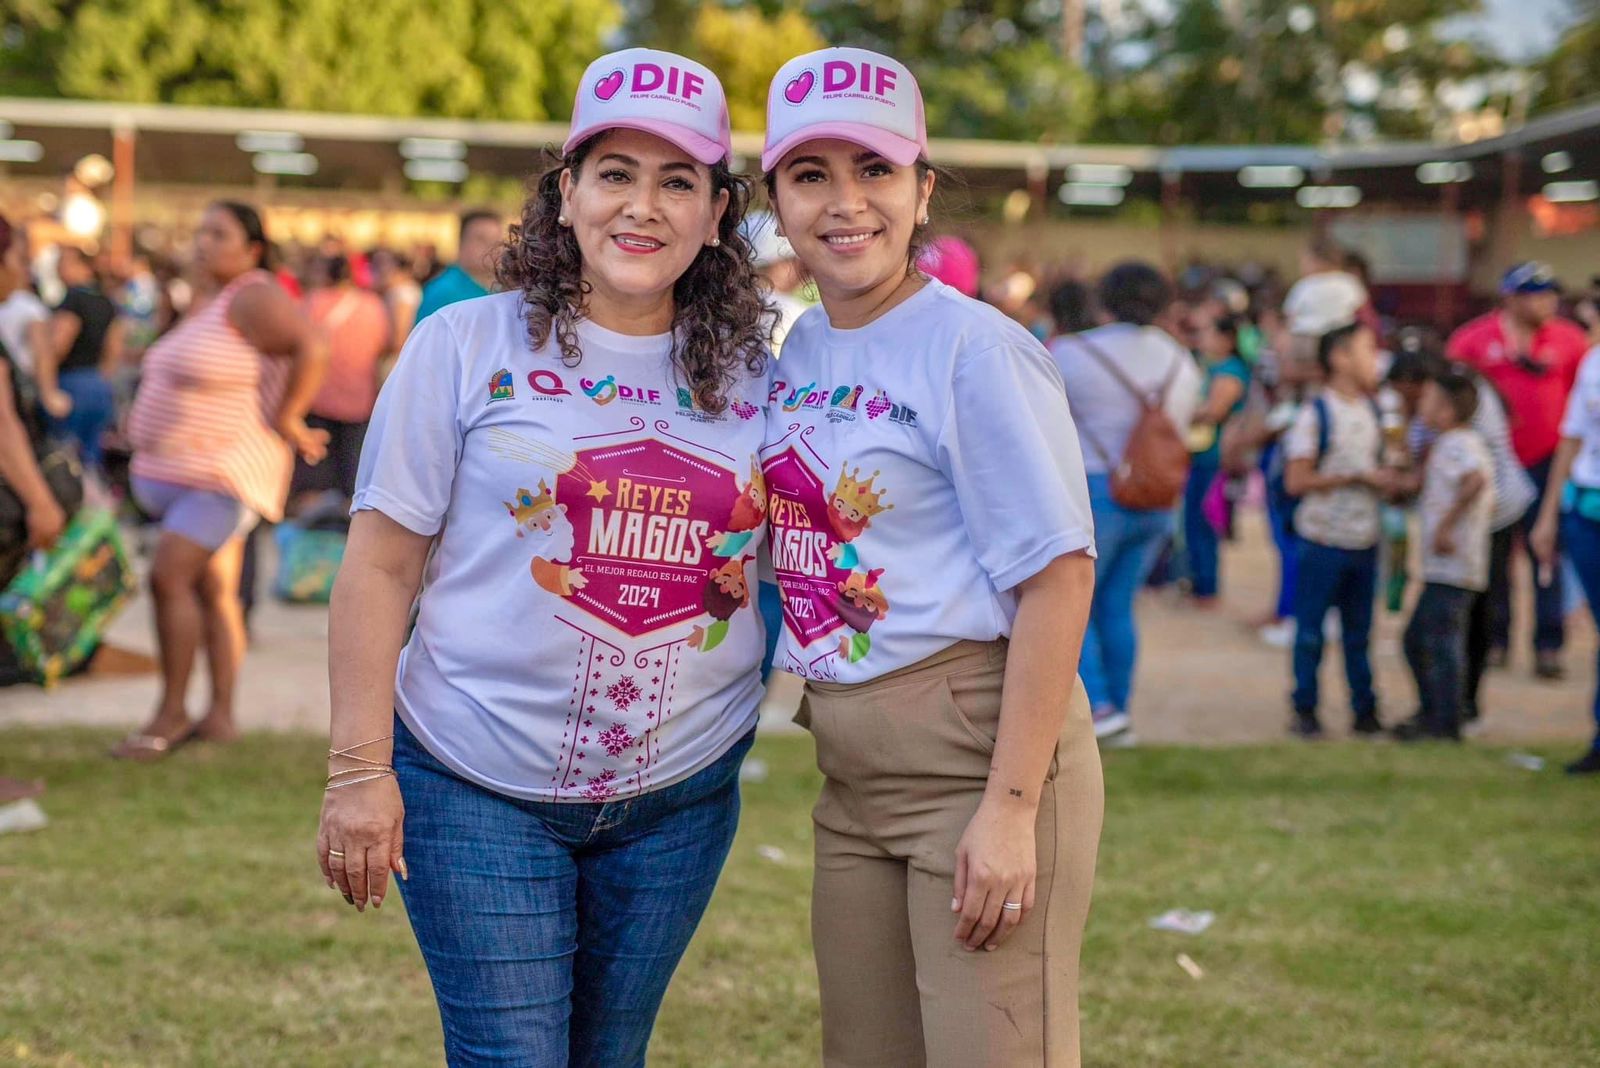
(542, 519)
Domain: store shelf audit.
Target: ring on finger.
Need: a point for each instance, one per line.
(1011, 906)
(335, 853)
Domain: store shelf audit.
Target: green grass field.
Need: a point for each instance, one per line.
(1376, 906)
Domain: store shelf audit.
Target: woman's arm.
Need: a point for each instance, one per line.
(112, 348)
(367, 620)
(1542, 538)
(1225, 393)
(64, 329)
(20, 470)
(273, 323)
(996, 860)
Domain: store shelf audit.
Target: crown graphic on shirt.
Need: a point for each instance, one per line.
(860, 495)
(527, 505)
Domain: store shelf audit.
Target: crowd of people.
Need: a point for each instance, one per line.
(1352, 422)
(516, 706)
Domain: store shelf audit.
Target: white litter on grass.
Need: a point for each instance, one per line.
(754, 770)
(24, 815)
(1184, 921)
(1525, 761)
(772, 853)
(1187, 963)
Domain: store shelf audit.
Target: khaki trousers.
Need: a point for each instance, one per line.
(906, 759)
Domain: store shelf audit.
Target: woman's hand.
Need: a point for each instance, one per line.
(996, 863)
(361, 839)
(310, 444)
(57, 402)
(45, 521)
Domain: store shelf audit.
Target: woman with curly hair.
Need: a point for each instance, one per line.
(550, 759)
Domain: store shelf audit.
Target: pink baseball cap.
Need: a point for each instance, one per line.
(953, 262)
(850, 94)
(661, 93)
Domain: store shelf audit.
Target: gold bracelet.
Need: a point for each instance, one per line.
(346, 751)
(384, 769)
(353, 782)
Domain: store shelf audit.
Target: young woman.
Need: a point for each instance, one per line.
(580, 454)
(932, 537)
(219, 416)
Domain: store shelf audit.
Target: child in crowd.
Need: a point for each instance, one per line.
(1333, 452)
(1457, 504)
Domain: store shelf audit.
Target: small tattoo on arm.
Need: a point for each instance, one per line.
(1016, 793)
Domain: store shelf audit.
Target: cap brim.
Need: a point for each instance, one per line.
(697, 145)
(901, 151)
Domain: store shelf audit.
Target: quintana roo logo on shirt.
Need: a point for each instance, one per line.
(500, 388)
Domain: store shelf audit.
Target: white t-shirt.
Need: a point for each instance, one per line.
(585, 631)
(1105, 410)
(1582, 421)
(1513, 489)
(919, 467)
(1347, 517)
(1456, 454)
(18, 312)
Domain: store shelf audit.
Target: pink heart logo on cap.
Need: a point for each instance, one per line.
(799, 87)
(607, 87)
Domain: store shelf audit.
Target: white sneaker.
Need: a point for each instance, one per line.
(1125, 740)
(1279, 635)
(1110, 723)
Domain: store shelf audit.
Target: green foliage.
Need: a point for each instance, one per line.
(487, 59)
(1272, 71)
(1572, 71)
(746, 48)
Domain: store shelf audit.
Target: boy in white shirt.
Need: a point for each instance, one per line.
(1457, 505)
(1333, 452)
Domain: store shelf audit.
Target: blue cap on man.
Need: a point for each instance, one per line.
(1530, 277)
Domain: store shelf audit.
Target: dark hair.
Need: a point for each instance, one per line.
(1070, 307)
(1333, 341)
(1410, 366)
(1461, 391)
(255, 232)
(336, 268)
(475, 215)
(920, 238)
(721, 324)
(1229, 326)
(1356, 264)
(6, 234)
(1135, 292)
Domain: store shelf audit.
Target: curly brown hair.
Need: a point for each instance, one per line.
(722, 324)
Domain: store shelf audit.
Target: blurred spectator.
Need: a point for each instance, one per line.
(358, 332)
(391, 280)
(219, 417)
(482, 234)
(1326, 297)
(24, 319)
(1072, 308)
(1225, 379)
(1098, 367)
(1531, 356)
(775, 259)
(85, 347)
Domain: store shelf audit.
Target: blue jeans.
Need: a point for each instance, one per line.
(1436, 651)
(1127, 544)
(1345, 579)
(551, 929)
(1280, 514)
(1583, 549)
(1199, 537)
(93, 408)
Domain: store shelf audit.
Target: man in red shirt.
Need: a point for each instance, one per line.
(1531, 356)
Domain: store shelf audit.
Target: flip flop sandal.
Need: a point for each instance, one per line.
(149, 748)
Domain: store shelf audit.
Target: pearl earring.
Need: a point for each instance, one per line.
(923, 221)
(561, 220)
(716, 242)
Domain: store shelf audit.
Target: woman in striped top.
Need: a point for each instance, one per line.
(219, 416)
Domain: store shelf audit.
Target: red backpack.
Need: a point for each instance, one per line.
(1155, 463)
